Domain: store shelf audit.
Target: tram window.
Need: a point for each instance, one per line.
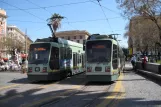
(69, 53)
(54, 58)
(62, 53)
(74, 60)
(77, 58)
(82, 60)
(114, 47)
(114, 61)
(65, 53)
(114, 51)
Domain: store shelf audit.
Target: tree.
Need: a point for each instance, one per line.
(9, 44)
(55, 22)
(149, 9)
(144, 34)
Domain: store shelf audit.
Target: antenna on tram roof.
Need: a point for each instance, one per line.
(110, 35)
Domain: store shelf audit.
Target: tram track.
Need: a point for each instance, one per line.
(82, 89)
(26, 91)
(109, 94)
(41, 85)
(97, 97)
(16, 95)
(64, 98)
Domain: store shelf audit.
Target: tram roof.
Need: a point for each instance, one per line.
(100, 37)
(60, 41)
(68, 42)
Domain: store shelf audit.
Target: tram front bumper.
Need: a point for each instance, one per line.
(43, 76)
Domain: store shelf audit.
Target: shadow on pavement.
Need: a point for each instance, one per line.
(78, 78)
(35, 98)
(20, 81)
(26, 81)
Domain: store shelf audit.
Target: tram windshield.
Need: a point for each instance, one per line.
(39, 53)
(98, 51)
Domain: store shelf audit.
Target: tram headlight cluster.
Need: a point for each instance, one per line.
(89, 69)
(107, 69)
(30, 69)
(44, 69)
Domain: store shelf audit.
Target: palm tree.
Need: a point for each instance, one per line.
(54, 22)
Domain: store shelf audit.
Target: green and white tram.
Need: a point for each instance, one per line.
(54, 60)
(104, 58)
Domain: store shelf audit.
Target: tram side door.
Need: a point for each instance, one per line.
(54, 58)
(115, 57)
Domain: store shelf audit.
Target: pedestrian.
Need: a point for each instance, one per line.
(24, 65)
(144, 61)
(133, 61)
(146, 58)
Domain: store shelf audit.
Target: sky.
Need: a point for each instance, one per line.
(31, 16)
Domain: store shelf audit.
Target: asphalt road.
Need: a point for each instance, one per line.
(131, 89)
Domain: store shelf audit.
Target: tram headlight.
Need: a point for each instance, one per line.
(44, 69)
(29, 69)
(107, 69)
(89, 69)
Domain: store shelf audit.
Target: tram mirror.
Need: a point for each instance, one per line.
(83, 47)
(84, 44)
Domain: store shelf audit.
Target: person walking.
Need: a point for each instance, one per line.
(144, 61)
(133, 61)
(24, 65)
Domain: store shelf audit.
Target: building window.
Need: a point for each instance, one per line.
(80, 37)
(78, 41)
(68, 37)
(74, 37)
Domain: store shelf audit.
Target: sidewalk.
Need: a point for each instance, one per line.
(139, 91)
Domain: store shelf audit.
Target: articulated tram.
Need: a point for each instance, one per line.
(54, 59)
(104, 58)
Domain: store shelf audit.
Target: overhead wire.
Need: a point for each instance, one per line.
(25, 21)
(106, 8)
(22, 10)
(74, 3)
(68, 21)
(58, 6)
(104, 14)
(38, 6)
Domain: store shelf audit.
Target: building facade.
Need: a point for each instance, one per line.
(143, 34)
(74, 35)
(3, 24)
(15, 33)
(11, 37)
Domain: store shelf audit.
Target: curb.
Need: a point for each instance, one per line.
(150, 74)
